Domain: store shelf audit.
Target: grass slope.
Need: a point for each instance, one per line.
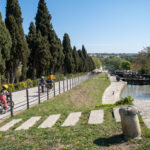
(83, 136)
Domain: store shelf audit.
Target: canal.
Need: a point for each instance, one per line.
(139, 92)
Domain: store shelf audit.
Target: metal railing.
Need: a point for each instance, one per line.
(32, 99)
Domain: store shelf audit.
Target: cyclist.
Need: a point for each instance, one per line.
(3, 95)
(42, 83)
(50, 80)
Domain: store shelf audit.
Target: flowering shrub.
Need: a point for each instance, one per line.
(23, 85)
(11, 87)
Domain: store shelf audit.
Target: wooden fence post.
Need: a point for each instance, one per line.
(27, 95)
(59, 87)
(63, 86)
(54, 90)
(11, 107)
(39, 93)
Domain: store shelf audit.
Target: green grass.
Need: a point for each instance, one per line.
(85, 97)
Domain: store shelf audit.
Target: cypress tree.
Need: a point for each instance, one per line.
(85, 58)
(31, 39)
(81, 62)
(76, 59)
(5, 45)
(19, 50)
(68, 61)
(43, 25)
(43, 55)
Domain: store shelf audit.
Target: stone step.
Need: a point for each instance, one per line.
(10, 124)
(72, 119)
(50, 121)
(116, 114)
(29, 123)
(96, 117)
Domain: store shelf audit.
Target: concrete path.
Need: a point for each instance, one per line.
(116, 114)
(20, 99)
(29, 123)
(96, 117)
(50, 121)
(144, 108)
(113, 92)
(72, 119)
(10, 124)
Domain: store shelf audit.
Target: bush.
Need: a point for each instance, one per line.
(11, 87)
(126, 100)
(23, 85)
(59, 77)
(29, 82)
(35, 82)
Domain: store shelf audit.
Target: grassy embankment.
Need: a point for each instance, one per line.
(83, 136)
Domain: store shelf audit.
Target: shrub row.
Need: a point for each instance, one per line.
(33, 83)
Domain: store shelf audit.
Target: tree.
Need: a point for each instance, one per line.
(76, 59)
(19, 49)
(5, 46)
(81, 61)
(43, 55)
(32, 44)
(68, 61)
(125, 65)
(43, 25)
(97, 62)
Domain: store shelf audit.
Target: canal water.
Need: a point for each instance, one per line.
(140, 92)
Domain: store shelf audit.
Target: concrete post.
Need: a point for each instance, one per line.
(130, 122)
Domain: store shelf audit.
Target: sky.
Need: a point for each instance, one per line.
(111, 26)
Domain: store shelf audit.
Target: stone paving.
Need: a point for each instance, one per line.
(144, 108)
(72, 119)
(112, 93)
(96, 117)
(29, 123)
(50, 121)
(10, 124)
(116, 114)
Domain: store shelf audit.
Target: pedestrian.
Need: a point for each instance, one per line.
(42, 83)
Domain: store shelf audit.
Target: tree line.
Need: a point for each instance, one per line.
(41, 51)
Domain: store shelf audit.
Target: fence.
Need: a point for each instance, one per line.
(32, 96)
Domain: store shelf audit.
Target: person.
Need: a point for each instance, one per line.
(3, 95)
(50, 80)
(42, 83)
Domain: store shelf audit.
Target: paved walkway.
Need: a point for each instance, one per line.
(144, 108)
(113, 92)
(20, 99)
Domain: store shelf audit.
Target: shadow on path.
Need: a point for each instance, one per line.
(116, 139)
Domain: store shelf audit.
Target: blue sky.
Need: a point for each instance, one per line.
(101, 25)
